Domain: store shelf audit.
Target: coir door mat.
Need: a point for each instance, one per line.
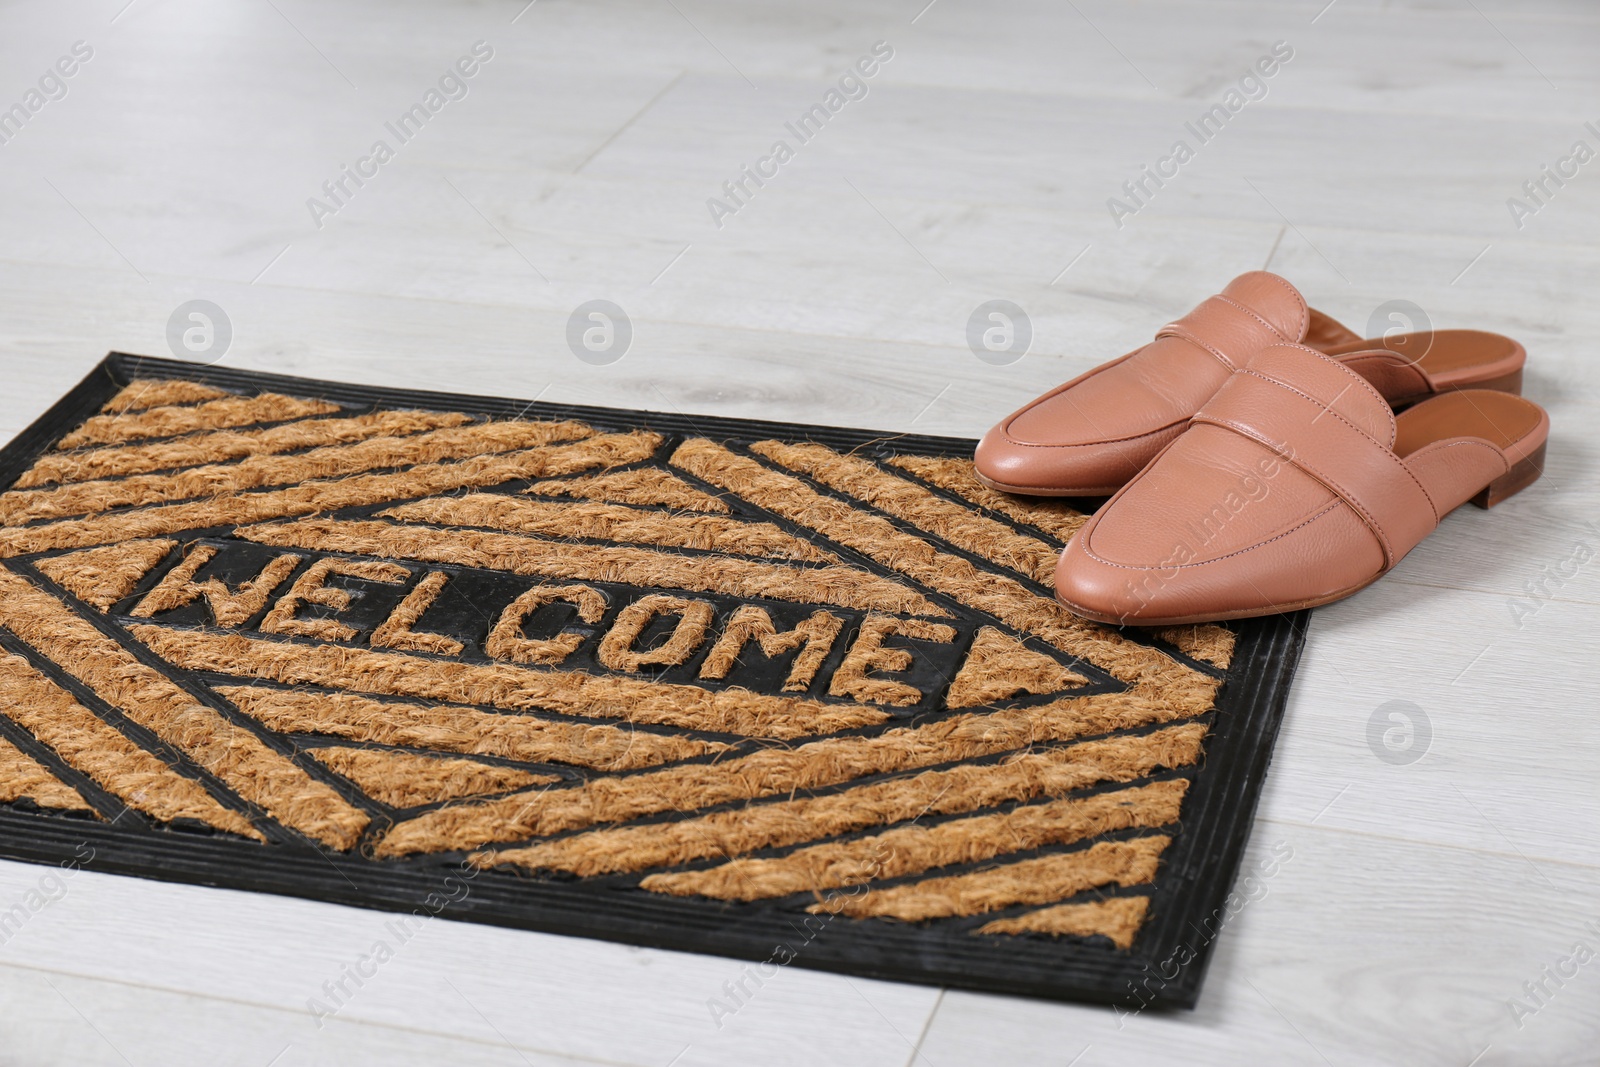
(786, 693)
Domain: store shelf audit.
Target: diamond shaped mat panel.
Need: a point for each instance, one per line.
(705, 684)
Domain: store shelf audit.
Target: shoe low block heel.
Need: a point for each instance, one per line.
(1521, 475)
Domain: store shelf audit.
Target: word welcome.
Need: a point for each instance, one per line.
(1537, 992)
(353, 977)
(51, 888)
(1254, 890)
(1253, 86)
(804, 129)
(52, 86)
(453, 85)
(650, 632)
(1557, 175)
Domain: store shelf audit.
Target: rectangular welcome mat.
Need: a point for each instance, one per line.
(785, 693)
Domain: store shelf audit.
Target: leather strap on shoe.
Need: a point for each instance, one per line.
(1323, 331)
(1220, 325)
(1288, 401)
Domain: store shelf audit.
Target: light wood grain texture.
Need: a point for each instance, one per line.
(1421, 895)
(556, 995)
(1418, 970)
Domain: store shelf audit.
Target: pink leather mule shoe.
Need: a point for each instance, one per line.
(1089, 436)
(1294, 485)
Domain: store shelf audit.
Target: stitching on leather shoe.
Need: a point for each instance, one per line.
(1305, 309)
(1089, 551)
(1183, 333)
(1328, 480)
(1093, 444)
(1368, 386)
(1440, 446)
(1326, 408)
(1255, 315)
(1388, 450)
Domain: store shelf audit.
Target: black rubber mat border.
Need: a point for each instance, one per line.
(1164, 969)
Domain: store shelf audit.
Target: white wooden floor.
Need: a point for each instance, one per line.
(1421, 895)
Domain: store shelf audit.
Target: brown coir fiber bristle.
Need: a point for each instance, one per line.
(406, 780)
(312, 497)
(643, 487)
(229, 607)
(956, 475)
(955, 576)
(1208, 642)
(506, 686)
(103, 576)
(505, 640)
(312, 588)
(397, 631)
(145, 695)
(1027, 776)
(907, 850)
(22, 778)
(1000, 666)
(222, 445)
(611, 522)
(857, 674)
(142, 393)
(737, 671)
(1117, 918)
(814, 636)
(88, 744)
(170, 421)
(450, 728)
(694, 618)
(519, 554)
(1043, 880)
(784, 770)
(963, 527)
(256, 472)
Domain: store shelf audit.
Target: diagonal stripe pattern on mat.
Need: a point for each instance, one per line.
(160, 568)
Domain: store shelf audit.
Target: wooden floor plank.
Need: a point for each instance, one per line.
(1378, 167)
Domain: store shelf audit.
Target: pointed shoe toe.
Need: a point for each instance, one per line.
(1092, 435)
